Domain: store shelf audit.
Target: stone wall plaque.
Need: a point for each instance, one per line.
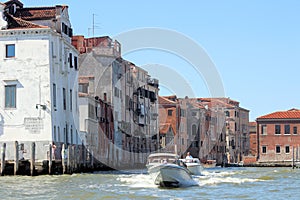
(34, 124)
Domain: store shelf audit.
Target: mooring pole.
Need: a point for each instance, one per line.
(32, 159)
(293, 158)
(3, 150)
(16, 163)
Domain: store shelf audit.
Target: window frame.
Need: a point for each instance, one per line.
(276, 129)
(276, 148)
(289, 149)
(295, 130)
(71, 100)
(264, 149)
(7, 54)
(54, 91)
(263, 129)
(12, 104)
(287, 129)
(64, 99)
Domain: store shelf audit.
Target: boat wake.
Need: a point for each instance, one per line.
(215, 177)
(138, 181)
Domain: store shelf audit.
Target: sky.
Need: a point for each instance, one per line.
(254, 45)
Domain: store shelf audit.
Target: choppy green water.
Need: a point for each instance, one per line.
(218, 183)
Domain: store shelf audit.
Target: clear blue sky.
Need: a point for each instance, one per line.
(255, 45)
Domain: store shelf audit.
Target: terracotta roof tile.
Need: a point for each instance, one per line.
(17, 23)
(289, 114)
(165, 101)
(36, 13)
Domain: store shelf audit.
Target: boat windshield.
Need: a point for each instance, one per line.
(162, 159)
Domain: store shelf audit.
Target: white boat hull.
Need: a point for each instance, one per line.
(193, 165)
(194, 168)
(171, 175)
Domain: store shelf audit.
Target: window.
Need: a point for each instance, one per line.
(277, 149)
(54, 133)
(236, 113)
(287, 129)
(170, 112)
(194, 114)
(287, 149)
(295, 130)
(83, 88)
(70, 32)
(54, 95)
(64, 99)
(264, 129)
(75, 63)
(227, 113)
(264, 149)
(182, 113)
(10, 50)
(71, 133)
(194, 129)
(116, 92)
(10, 96)
(71, 60)
(277, 129)
(182, 141)
(58, 134)
(71, 102)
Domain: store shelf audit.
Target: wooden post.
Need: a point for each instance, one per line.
(3, 150)
(16, 163)
(92, 160)
(69, 159)
(32, 160)
(73, 158)
(76, 157)
(293, 164)
(84, 157)
(50, 158)
(63, 158)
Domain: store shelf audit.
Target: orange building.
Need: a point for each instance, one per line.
(278, 136)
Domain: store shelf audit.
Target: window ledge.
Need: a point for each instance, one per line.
(10, 58)
(10, 108)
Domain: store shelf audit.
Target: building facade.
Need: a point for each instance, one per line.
(278, 136)
(131, 93)
(208, 128)
(38, 79)
(253, 138)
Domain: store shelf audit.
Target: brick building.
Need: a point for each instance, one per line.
(253, 138)
(209, 128)
(168, 123)
(278, 135)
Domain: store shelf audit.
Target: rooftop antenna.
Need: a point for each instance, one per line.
(94, 26)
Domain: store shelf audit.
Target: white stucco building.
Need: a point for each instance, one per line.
(38, 78)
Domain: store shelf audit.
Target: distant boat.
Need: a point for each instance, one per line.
(209, 164)
(168, 171)
(193, 165)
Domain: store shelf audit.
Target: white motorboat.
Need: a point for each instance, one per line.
(209, 164)
(167, 171)
(193, 165)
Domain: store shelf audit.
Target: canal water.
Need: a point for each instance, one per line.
(217, 183)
